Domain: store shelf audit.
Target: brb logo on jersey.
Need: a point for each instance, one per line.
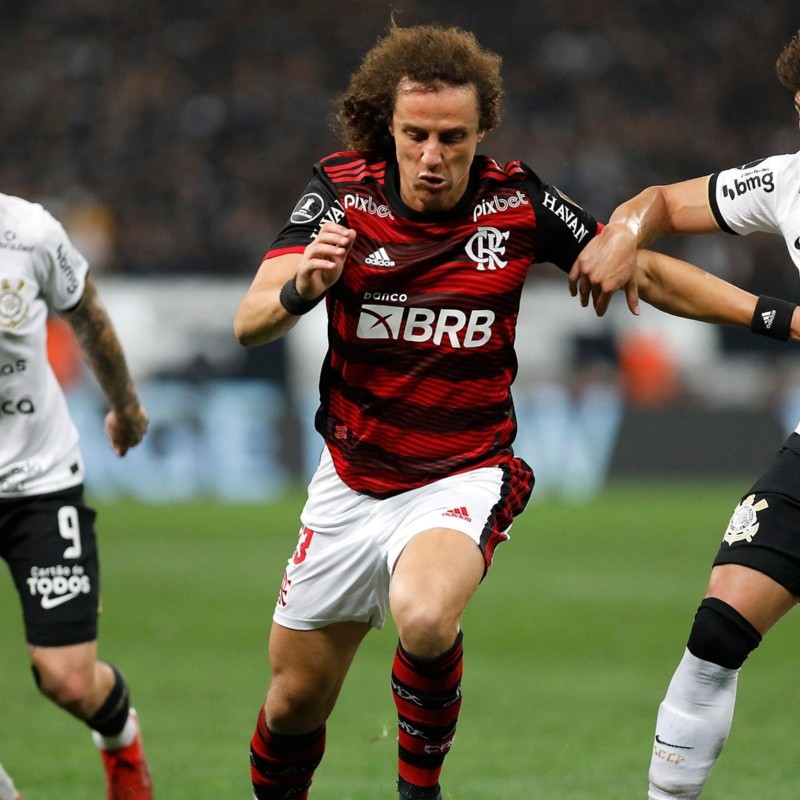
(398, 323)
(486, 246)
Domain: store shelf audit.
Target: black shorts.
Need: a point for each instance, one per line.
(50, 546)
(764, 531)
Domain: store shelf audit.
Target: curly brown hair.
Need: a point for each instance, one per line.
(788, 64)
(427, 54)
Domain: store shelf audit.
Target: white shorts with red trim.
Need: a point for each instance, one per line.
(350, 542)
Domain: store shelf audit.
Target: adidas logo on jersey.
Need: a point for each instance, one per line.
(458, 513)
(380, 258)
(769, 318)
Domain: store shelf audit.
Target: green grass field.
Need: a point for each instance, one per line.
(569, 644)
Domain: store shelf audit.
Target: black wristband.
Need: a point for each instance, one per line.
(292, 301)
(773, 317)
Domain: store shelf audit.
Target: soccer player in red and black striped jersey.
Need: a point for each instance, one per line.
(419, 248)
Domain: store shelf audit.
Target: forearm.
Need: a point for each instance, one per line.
(102, 349)
(684, 290)
(666, 210)
(645, 216)
(290, 285)
(261, 317)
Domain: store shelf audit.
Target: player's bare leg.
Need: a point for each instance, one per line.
(695, 718)
(96, 693)
(72, 677)
(308, 669)
(433, 580)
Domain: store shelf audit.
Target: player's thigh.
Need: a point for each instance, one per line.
(50, 545)
(757, 568)
(438, 571)
(756, 596)
(308, 668)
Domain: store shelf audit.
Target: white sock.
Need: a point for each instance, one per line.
(692, 727)
(122, 739)
(7, 789)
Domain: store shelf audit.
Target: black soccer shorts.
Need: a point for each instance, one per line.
(50, 546)
(764, 531)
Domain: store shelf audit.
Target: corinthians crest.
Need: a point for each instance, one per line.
(744, 522)
(13, 308)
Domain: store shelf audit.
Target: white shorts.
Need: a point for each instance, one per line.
(349, 542)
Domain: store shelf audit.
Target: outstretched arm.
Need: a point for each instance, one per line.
(126, 421)
(684, 290)
(608, 263)
(263, 315)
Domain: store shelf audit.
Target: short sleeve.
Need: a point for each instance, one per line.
(61, 268)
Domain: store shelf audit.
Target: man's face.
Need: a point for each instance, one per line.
(436, 134)
(797, 103)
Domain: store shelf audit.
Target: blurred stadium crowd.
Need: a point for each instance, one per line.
(174, 137)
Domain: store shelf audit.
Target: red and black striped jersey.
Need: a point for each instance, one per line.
(416, 383)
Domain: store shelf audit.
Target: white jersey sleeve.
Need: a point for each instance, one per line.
(40, 270)
(762, 196)
(61, 269)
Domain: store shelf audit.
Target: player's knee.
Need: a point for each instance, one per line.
(426, 632)
(63, 684)
(296, 705)
(721, 635)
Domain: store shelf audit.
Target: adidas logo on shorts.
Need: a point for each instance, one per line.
(459, 513)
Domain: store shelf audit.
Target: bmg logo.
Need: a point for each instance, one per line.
(452, 325)
(765, 181)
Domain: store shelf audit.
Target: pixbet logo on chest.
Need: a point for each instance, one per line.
(451, 325)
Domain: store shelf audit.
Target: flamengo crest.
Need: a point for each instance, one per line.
(744, 522)
(486, 246)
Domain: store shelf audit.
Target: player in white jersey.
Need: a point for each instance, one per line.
(47, 532)
(755, 579)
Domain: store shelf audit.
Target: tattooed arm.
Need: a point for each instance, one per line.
(127, 420)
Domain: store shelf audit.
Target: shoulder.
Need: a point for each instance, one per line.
(760, 195)
(511, 172)
(25, 224)
(353, 167)
(763, 173)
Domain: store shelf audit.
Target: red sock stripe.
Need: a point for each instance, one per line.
(282, 767)
(430, 676)
(428, 717)
(427, 693)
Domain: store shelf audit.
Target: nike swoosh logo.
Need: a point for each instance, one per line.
(52, 602)
(676, 746)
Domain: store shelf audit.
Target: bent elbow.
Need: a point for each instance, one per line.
(244, 334)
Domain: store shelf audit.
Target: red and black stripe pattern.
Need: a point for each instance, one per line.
(281, 767)
(516, 489)
(416, 384)
(427, 693)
